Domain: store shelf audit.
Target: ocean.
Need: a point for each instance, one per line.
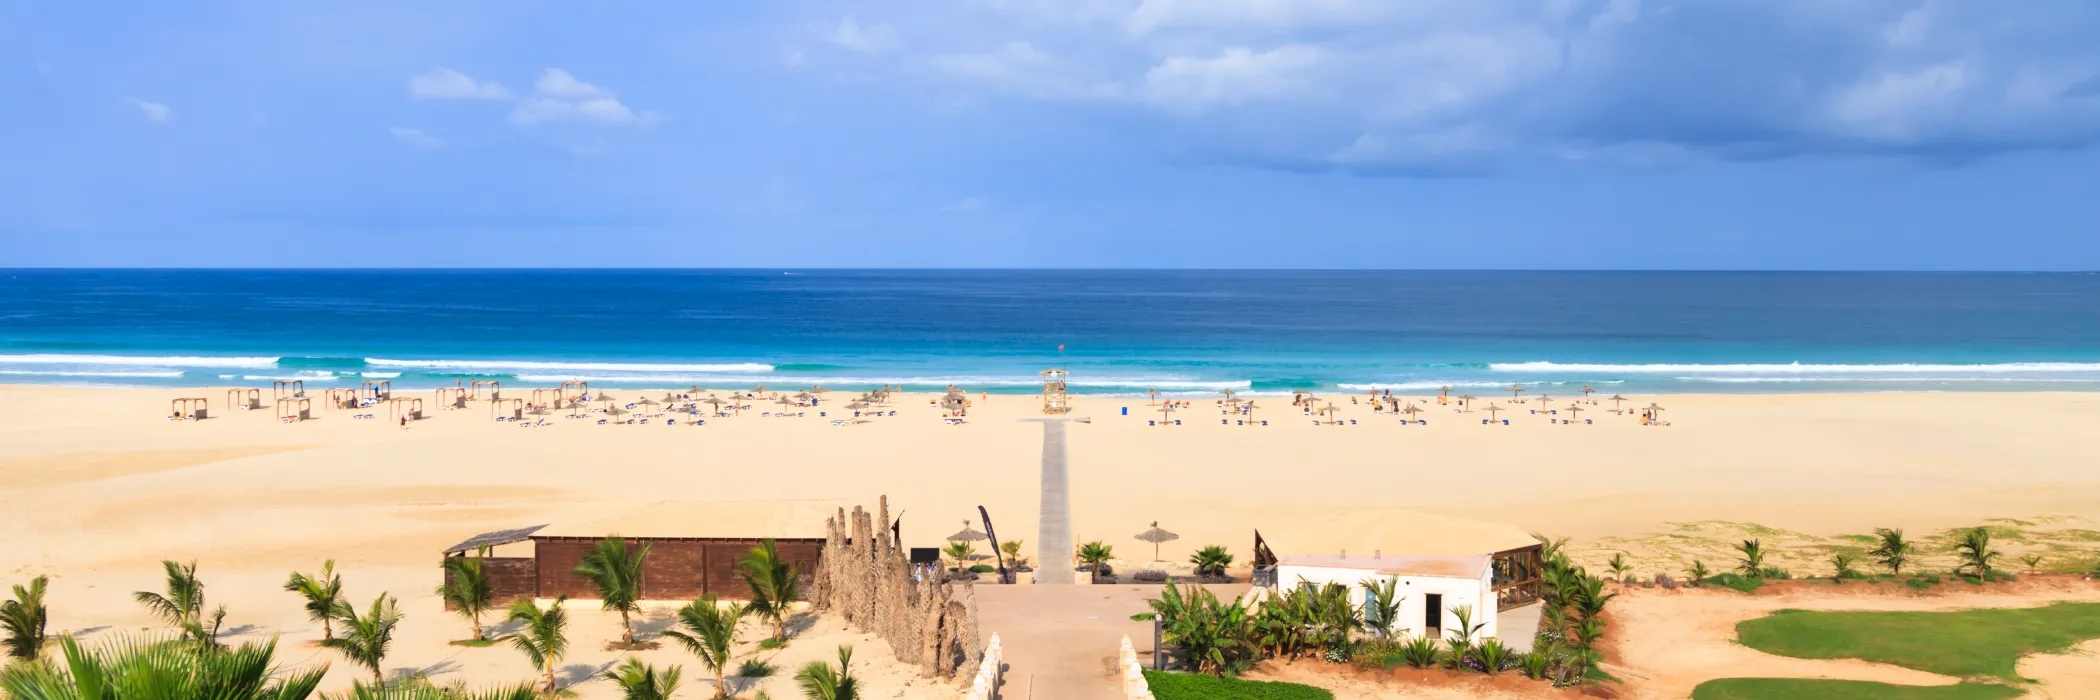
(1182, 333)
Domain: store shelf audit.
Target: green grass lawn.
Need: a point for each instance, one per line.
(1824, 689)
(1190, 686)
(1964, 644)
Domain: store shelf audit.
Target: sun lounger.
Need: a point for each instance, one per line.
(603, 421)
(1352, 421)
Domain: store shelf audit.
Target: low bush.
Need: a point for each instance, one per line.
(983, 569)
(1746, 584)
(1149, 576)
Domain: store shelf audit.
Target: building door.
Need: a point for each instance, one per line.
(1433, 615)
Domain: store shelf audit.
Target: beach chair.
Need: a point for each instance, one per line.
(1151, 422)
(1587, 421)
(1224, 421)
(1177, 421)
(1352, 421)
(1265, 421)
(1505, 421)
(838, 422)
(603, 421)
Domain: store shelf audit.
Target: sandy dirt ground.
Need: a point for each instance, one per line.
(99, 487)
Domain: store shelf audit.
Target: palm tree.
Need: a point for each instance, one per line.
(544, 638)
(1619, 566)
(1976, 553)
(960, 552)
(420, 691)
(1753, 564)
(775, 584)
(1382, 604)
(24, 619)
(1012, 548)
(1211, 560)
(616, 571)
(183, 601)
(468, 590)
(2032, 561)
(323, 594)
(1842, 562)
(135, 668)
(1096, 554)
(1893, 550)
(366, 637)
(708, 629)
(820, 682)
(1697, 572)
(640, 681)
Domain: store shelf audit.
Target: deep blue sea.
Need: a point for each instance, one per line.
(1184, 332)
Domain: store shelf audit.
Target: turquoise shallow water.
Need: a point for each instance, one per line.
(1184, 332)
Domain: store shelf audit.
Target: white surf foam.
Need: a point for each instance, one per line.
(170, 374)
(270, 378)
(380, 375)
(581, 366)
(1929, 379)
(1797, 368)
(966, 382)
(127, 360)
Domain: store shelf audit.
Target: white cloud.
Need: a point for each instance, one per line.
(449, 84)
(416, 137)
(1894, 105)
(1237, 75)
(869, 39)
(1154, 15)
(1021, 68)
(154, 111)
(556, 82)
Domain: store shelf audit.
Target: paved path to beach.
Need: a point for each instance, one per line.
(1061, 640)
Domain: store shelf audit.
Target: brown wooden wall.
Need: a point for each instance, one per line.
(677, 568)
(513, 578)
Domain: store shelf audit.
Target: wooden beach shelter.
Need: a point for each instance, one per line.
(616, 412)
(1250, 412)
(1055, 400)
(190, 408)
(547, 397)
(1543, 399)
(382, 390)
(513, 409)
(341, 398)
(575, 390)
(1230, 395)
(296, 409)
(244, 399)
(404, 407)
(693, 548)
(495, 390)
(451, 397)
(282, 389)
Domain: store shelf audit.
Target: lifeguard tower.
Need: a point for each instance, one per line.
(1055, 402)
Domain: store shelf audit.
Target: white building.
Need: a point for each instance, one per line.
(1439, 564)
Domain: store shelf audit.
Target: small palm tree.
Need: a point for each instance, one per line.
(820, 681)
(775, 584)
(640, 681)
(323, 594)
(708, 629)
(960, 553)
(1753, 563)
(1841, 562)
(366, 637)
(2033, 562)
(1382, 604)
(468, 590)
(1892, 551)
(182, 603)
(1618, 566)
(423, 691)
(24, 619)
(135, 668)
(1697, 572)
(1975, 551)
(1211, 560)
(1096, 554)
(1012, 549)
(544, 637)
(616, 571)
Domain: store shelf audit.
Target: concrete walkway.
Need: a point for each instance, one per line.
(1061, 640)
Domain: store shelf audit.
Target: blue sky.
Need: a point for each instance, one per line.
(1767, 134)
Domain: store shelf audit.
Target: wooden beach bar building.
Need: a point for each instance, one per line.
(693, 548)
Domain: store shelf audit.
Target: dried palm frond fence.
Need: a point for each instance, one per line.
(865, 577)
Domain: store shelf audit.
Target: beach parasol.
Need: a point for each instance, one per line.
(1443, 392)
(969, 534)
(785, 401)
(804, 396)
(1574, 411)
(856, 405)
(1586, 391)
(1166, 411)
(1410, 410)
(615, 412)
(1543, 399)
(646, 401)
(1330, 410)
(1654, 411)
(819, 389)
(1465, 403)
(760, 389)
(1231, 395)
(1156, 536)
(1250, 412)
(1515, 390)
(1492, 411)
(1615, 399)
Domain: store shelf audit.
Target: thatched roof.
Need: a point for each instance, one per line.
(783, 519)
(493, 539)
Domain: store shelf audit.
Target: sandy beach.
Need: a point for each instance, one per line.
(100, 486)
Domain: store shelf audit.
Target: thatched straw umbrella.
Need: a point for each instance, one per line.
(760, 389)
(1515, 390)
(1655, 411)
(1543, 399)
(1330, 410)
(1493, 410)
(969, 533)
(819, 390)
(1250, 412)
(1465, 403)
(646, 401)
(1410, 411)
(1166, 414)
(1156, 536)
(1574, 411)
(616, 412)
(1231, 395)
(714, 401)
(1615, 399)
(1443, 392)
(1586, 391)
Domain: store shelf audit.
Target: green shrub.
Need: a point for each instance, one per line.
(1746, 584)
(1534, 664)
(1420, 652)
(982, 569)
(1826, 689)
(1923, 581)
(1191, 686)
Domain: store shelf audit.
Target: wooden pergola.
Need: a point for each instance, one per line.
(282, 389)
(548, 397)
(514, 408)
(452, 397)
(495, 389)
(190, 408)
(1517, 579)
(341, 398)
(410, 407)
(299, 409)
(250, 399)
(382, 389)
